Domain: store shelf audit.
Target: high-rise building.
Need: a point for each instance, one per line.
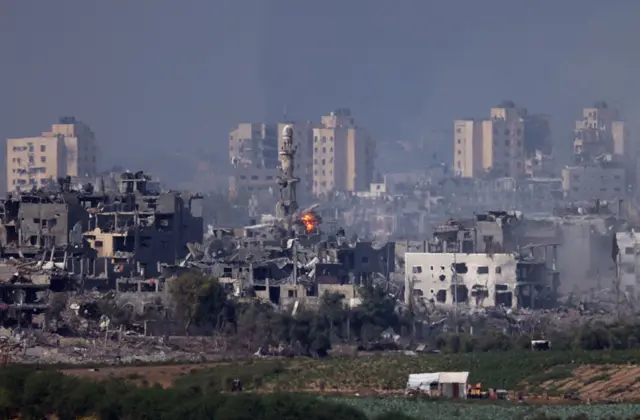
(467, 159)
(254, 144)
(503, 142)
(69, 149)
(343, 155)
(253, 152)
(511, 143)
(602, 135)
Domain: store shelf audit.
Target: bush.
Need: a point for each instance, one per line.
(30, 393)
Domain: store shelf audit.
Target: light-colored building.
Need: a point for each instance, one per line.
(510, 143)
(468, 148)
(622, 144)
(376, 190)
(594, 180)
(254, 144)
(246, 180)
(600, 131)
(482, 279)
(629, 262)
(478, 280)
(503, 142)
(69, 149)
(343, 155)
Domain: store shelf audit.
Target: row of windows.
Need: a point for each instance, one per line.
(43, 148)
(256, 177)
(323, 173)
(507, 132)
(40, 170)
(324, 139)
(324, 150)
(324, 161)
(576, 189)
(576, 177)
(43, 159)
(483, 269)
(31, 181)
(506, 142)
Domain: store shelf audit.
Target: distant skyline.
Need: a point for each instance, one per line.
(159, 77)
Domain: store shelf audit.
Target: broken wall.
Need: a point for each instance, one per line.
(479, 280)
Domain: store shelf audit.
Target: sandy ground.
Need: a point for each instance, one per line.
(161, 375)
(602, 383)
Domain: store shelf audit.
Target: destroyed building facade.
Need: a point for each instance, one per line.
(136, 231)
(482, 263)
(98, 236)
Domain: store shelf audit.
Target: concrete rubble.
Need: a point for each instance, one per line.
(65, 251)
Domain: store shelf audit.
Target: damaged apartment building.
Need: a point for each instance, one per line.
(138, 230)
(482, 262)
(584, 232)
(100, 237)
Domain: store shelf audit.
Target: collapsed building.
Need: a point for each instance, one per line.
(585, 231)
(482, 262)
(97, 238)
(283, 270)
(136, 232)
(285, 258)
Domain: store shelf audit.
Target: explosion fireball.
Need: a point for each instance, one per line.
(310, 221)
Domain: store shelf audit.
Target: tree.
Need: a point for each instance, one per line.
(255, 325)
(333, 314)
(201, 300)
(376, 313)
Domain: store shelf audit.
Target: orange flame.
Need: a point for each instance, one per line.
(310, 221)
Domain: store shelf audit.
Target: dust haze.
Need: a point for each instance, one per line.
(179, 76)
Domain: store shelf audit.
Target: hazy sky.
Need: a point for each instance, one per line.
(156, 77)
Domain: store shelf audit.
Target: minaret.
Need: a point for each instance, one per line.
(288, 203)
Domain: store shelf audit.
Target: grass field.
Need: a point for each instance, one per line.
(598, 374)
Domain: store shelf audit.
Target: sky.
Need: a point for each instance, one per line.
(161, 82)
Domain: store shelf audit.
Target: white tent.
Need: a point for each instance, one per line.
(450, 384)
(422, 381)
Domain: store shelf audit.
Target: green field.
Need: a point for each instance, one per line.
(430, 410)
(511, 370)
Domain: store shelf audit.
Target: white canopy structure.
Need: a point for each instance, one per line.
(449, 384)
